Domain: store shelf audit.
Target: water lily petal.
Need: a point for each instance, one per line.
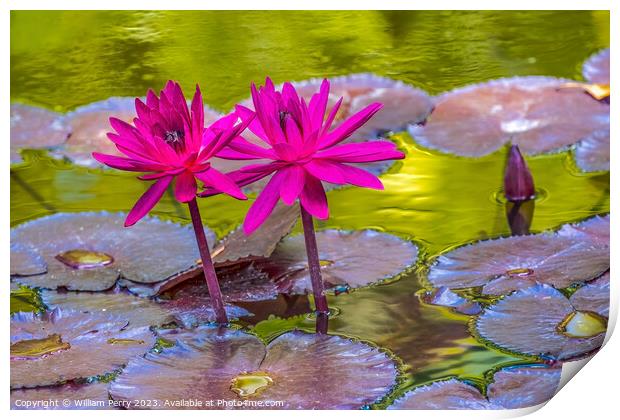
(148, 200)
(264, 204)
(313, 198)
(217, 180)
(185, 187)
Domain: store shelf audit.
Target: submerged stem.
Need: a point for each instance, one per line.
(320, 301)
(207, 264)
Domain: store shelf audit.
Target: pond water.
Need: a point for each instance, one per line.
(61, 60)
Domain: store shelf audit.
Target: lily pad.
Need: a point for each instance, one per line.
(91, 123)
(302, 371)
(26, 262)
(541, 321)
(442, 395)
(539, 114)
(594, 229)
(235, 250)
(506, 264)
(512, 387)
(138, 312)
(348, 259)
(596, 68)
(69, 396)
(443, 296)
(90, 251)
(521, 387)
(592, 153)
(594, 296)
(190, 310)
(67, 345)
(36, 128)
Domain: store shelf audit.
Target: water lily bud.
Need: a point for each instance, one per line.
(518, 182)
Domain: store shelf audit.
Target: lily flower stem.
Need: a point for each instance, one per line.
(207, 264)
(320, 301)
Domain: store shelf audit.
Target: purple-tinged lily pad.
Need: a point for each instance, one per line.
(79, 397)
(35, 128)
(506, 264)
(540, 114)
(592, 153)
(596, 68)
(523, 386)
(594, 296)
(26, 262)
(304, 371)
(594, 229)
(104, 250)
(348, 260)
(541, 321)
(443, 296)
(138, 312)
(442, 395)
(67, 345)
(512, 387)
(91, 123)
(238, 284)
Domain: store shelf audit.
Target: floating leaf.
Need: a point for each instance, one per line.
(594, 296)
(443, 296)
(149, 252)
(534, 112)
(91, 123)
(532, 321)
(79, 397)
(25, 261)
(66, 345)
(523, 386)
(138, 312)
(512, 387)
(25, 299)
(304, 371)
(348, 258)
(594, 229)
(35, 128)
(442, 395)
(596, 68)
(506, 264)
(592, 153)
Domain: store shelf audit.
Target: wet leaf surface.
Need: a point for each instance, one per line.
(348, 260)
(537, 113)
(90, 349)
(443, 296)
(35, 128)
(530, 321)
(80, 397)
(305, 370)
(596, 68)
(138, 312)
(141, 254)
(505, 264)
(592, 153)
(25, 261)
(594, 296)
(512, 387)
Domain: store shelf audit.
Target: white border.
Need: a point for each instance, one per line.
(592, 395)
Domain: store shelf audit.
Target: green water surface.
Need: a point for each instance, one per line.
(65, 59)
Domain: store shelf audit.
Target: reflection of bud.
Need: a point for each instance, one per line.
(518, 182)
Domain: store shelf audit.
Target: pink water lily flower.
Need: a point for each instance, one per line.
(303, 150)
(168, 140)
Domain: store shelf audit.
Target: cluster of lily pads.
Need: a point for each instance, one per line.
(112, 312)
